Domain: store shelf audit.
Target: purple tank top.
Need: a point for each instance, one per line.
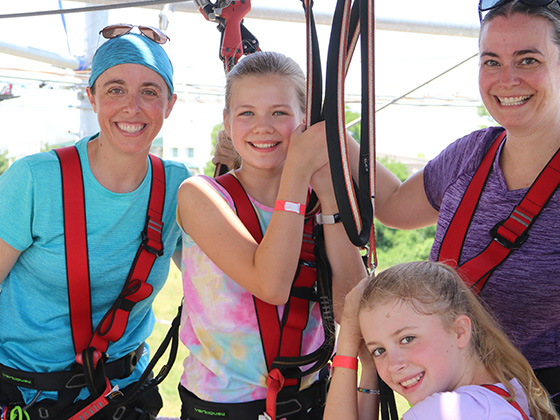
(524, 291)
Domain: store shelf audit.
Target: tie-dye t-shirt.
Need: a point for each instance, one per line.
(220, 329)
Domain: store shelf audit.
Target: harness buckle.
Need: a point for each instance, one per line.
(506, 243)
(76, 381)
(97, 355)
(146, 237)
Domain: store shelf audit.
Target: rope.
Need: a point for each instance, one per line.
(89, 8)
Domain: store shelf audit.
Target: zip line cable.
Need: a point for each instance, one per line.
(404, 95)
(91, 8)
(427, 82)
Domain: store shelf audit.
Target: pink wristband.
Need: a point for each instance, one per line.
(290, 206)
(347, 362)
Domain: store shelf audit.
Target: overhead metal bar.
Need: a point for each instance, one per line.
(295, 15)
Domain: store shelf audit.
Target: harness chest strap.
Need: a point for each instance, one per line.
(508, 234)
(279, 340)
(135, 289)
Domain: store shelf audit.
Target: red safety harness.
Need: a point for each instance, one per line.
(282, 339)
(90, 346)
(505, 394)
(507, 235)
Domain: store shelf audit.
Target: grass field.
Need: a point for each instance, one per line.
(165, 308)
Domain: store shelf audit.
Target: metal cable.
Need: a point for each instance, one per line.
(90, 8)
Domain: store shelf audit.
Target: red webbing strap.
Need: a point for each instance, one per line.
(114, 323)
(96, 405)
(503, 393)
(298, 308)
(77, 266)
(136, 287)
(278, 341)
(452, 244)
(267, 314)
(508, 234)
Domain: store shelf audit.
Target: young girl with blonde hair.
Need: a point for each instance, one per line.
(224, 267)
(432, 341)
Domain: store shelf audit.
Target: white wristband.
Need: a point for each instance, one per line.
(327, 219)
(290, 207)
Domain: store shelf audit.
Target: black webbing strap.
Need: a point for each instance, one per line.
(314, 80)
(507, 235)
(352, 22)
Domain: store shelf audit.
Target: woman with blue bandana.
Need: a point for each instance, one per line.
(131, 91)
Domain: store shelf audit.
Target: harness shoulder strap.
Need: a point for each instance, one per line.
(136, 287)
(281, 340)
(90, 346)
(76, 247)
(505, 394)
(507, 235)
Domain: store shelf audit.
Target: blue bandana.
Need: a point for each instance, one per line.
(132, 49)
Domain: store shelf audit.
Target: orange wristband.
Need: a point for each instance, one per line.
(347, 362)
(290, 206)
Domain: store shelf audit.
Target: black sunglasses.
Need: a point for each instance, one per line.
(485, 5)
(114, 31)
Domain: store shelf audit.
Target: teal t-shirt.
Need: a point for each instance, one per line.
(35, 332)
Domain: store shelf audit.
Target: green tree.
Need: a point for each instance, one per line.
(483, 112)
(351, 117)
(394, 246)
(4, 161)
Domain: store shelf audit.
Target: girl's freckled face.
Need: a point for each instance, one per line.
(414, 353)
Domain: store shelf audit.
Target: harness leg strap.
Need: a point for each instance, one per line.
(274, 382)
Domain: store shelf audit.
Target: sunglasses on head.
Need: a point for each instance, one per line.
(114, 31)
(485, 5)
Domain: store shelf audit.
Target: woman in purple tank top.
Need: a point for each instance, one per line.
(519, 81)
